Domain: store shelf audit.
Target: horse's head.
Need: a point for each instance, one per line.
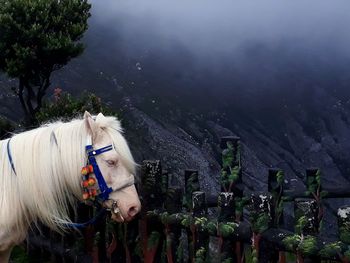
(116, 165)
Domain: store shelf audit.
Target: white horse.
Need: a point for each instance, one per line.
(40, 175)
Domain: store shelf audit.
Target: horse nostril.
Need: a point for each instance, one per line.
(133, 210)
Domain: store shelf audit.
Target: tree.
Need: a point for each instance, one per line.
(38, 37)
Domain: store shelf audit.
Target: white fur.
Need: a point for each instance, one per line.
(48, 174)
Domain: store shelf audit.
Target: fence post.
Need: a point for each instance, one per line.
(261, 219)
(152, 185)
(306, 211)
(152, 198)
(173, 205)
(231, 178)
(275, 188)
(314, 190)
(344, 224)
(226, 206)
(191, 185)
(199, 235)
(307, 225)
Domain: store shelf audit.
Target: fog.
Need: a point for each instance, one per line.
(221, 27)
(271, 50)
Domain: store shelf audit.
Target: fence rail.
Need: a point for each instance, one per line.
(188, 225)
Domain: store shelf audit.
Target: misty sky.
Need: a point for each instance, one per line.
(263, 49)
(208, 26)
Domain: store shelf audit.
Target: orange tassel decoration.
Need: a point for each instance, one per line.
(91, 181)
(85, 183)
(86, 196)
(85, 171)
(93, 192)
(90, 168)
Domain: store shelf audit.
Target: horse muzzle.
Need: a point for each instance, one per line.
(119, 213)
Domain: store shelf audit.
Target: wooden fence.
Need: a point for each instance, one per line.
(185, 224)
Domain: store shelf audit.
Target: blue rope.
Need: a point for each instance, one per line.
(10, 156)
(87, 223)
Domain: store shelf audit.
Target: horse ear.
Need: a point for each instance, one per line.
(90, 124)
(99, 117)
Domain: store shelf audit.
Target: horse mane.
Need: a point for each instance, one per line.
(47, 163)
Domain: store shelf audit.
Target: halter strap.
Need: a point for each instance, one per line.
(91, 152)
(105, 190)
(10, 156)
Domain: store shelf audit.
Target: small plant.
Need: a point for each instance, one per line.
(19, 255)
(277, 191)
(331, 250)
(65, 106)
(240, 203)
(314, 189)
(344, 232)
(307, 246)
(227, 229)
(200, 255)
(152, 245)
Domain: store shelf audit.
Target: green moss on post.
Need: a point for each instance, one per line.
(261, 219)
(226, 205)
(199, 204)
(314, 190)
(231, 172)
(344, 224)
(261, 211)
(226, 225)
(305, 214)
(275, 187)
(313, 181)
(332, 250)
(200, 237)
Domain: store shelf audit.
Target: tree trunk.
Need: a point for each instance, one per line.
(300, 258)
(31, 101)
(41, 93)
(282, 257)
(27, 117)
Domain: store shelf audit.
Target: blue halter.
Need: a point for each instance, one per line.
(91, 153)
(104, 189)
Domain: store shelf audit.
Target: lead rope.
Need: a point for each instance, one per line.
(92, 221)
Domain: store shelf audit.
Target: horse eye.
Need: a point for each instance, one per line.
(111, 162)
